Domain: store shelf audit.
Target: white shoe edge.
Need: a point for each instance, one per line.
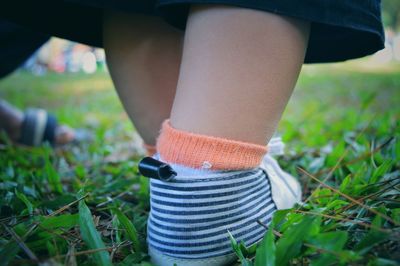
(285, 189)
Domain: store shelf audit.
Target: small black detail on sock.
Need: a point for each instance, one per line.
(152, 168)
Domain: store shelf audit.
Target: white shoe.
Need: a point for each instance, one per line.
(285, 190)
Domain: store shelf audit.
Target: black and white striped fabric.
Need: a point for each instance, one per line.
(191, 215)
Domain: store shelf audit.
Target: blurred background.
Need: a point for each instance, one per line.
(62, 56)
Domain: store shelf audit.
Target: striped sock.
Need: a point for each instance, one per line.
(191, 215)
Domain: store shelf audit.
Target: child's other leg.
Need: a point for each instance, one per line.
(143, 54)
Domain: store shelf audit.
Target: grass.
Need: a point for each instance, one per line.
(87, 205)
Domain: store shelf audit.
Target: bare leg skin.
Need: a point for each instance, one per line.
(238, 70)
(143, 54)
(10, 120)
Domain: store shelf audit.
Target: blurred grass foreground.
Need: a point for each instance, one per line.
(86, 204)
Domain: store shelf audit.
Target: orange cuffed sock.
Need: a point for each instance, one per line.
(207, 152)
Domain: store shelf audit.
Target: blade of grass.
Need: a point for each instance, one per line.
(90, 235)
(348, 197)
(52, 175)
(372, 238)
(68, 205)
(238, 251)
(289, 245)
(279, 235)
(93, 251)
(8, 252)
(66, 220)
(21, 244)
(266, 251)
(342, 219)
(338, 163)
(35, 224)
(25, 200)
(359, 158)
(130, 229)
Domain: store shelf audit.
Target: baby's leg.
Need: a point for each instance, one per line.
(238, 70)
(143, 54)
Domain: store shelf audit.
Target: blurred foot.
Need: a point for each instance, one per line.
(64, 134)
(32, 127)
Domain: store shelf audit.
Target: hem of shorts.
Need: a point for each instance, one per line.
(250, 5)
(354, 26)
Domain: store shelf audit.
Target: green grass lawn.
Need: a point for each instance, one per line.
(86, 204)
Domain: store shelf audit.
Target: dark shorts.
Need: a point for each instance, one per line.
(340, 29)
(17, 44)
